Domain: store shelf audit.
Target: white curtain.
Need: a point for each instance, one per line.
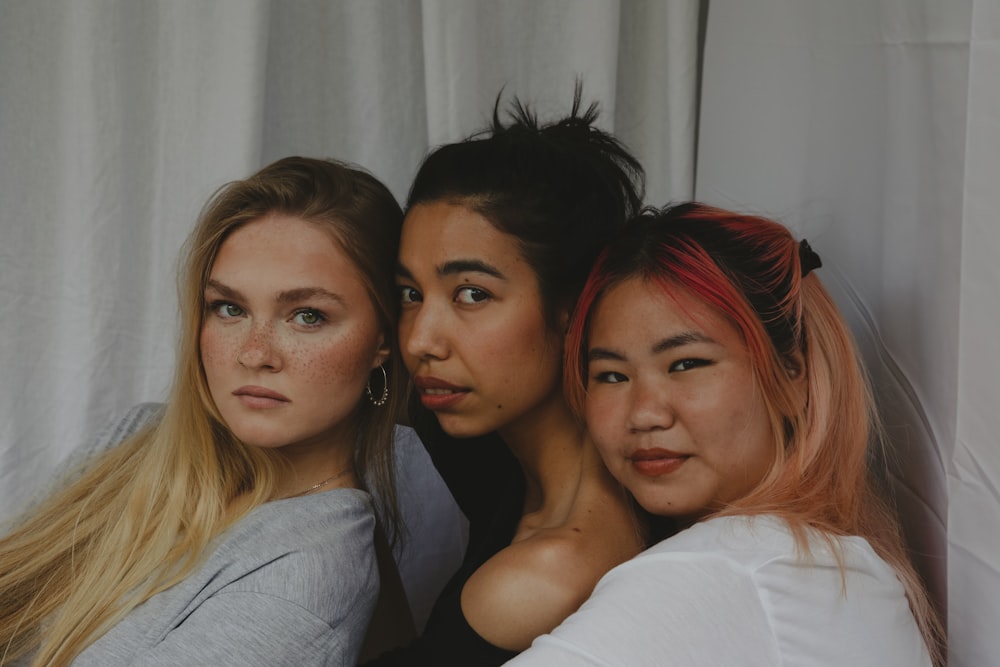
(118, 119)
(869, 126)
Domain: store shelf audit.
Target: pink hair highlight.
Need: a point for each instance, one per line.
(749, 269)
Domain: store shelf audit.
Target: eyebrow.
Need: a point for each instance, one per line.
(681, 339)
(286, 297)
(669, 343)
(456, 266)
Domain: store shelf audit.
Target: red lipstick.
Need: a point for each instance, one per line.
(655, 461)
(260, 397)
(437, 394)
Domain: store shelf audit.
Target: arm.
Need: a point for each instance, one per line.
(392, 622)
(681, 611)
(294, 582)
(531, 586)
(244, 628)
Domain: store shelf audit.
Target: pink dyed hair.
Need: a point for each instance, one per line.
(749, 269)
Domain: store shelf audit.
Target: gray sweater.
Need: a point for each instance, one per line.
(292, 583)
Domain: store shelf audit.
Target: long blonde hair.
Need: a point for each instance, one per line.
(759, 277)
(144, 514)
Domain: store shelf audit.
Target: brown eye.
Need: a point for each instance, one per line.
(471, 295)
(610, 377)
(688, 364)
(409, 295)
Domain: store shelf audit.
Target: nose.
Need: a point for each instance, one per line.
(259, 350)
(649, 407)
(422, 333)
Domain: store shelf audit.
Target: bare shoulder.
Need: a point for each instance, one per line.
(531, 586)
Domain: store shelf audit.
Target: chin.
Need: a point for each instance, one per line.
(459, 427)
(656, 504)
(261, 440)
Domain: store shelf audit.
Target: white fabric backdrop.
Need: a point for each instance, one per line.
(118, 119)
(870, 126)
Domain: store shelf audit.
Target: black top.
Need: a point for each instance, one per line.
(488, 485)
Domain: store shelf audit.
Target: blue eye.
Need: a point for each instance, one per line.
(409, 295)
(308, 317)
(471, 295)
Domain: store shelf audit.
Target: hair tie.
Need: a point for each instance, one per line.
(808, 258)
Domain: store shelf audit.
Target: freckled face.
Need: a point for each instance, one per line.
(289, 336)
(472, 328)
(671, 401)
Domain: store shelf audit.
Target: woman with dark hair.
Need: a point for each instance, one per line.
(236, 526)
(722, 388)
(500, 232)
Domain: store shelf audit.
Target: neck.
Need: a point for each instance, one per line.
(549, 443)
(312, 470)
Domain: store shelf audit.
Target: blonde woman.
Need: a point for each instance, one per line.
(236, 528)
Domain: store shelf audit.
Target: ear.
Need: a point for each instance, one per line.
(564, 315)
(795, 369)
(382, 353)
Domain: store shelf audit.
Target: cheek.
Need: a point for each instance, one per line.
(748, 449)
(529, 352)
(600, 415)
(213, 347)
(334, 363)
(403, 329)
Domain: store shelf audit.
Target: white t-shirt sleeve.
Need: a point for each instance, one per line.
(673, 610)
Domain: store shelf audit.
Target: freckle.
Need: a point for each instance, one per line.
(499, 406)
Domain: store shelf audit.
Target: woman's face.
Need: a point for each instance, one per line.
(672, 403)
(472, 329)
(289, 335)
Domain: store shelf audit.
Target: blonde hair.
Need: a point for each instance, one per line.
(753, 272)
(144, 514)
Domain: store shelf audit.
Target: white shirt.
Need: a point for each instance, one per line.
(734, 591)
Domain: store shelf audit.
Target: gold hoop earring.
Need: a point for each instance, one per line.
(380, 401)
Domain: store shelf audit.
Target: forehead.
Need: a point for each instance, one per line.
(641, 313)
(286, 251)
(437, 232)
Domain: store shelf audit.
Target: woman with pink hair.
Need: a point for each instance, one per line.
(723, 390)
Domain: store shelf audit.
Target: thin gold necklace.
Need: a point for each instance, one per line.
(323, 483)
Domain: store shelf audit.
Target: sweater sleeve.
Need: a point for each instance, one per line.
(683, 611)
(246, 628)
(293, 583)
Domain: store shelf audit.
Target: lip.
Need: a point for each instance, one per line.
(655, 462)
(437, 394)
(260, 397)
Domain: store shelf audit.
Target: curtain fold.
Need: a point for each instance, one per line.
(974, 473)
(119, 119)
